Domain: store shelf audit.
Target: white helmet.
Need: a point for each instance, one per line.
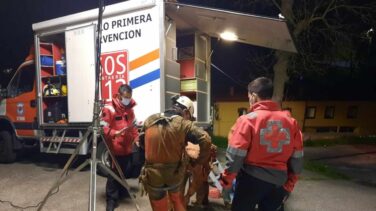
(186, 102)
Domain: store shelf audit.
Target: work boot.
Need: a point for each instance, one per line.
(200, 205)
(111, 205)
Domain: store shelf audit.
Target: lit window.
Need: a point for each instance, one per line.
(310, 112)
(242, 111)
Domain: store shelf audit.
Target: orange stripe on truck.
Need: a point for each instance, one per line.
(144, 59)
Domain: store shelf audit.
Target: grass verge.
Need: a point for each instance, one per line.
(324, 170)
(340, 141)
(314, 166)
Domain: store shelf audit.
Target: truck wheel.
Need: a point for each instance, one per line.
(104, 157)
(7, 155)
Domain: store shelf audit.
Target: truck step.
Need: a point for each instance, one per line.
(58, 139)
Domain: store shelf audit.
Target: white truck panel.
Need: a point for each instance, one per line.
(141, 41)
(80, 73)
(90, 15)
(148, 100)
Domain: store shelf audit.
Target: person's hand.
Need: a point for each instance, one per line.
(287, 195)
(137, 143)
(226, 180)
(193, 150)
(120, 132)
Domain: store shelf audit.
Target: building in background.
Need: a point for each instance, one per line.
(318, 119)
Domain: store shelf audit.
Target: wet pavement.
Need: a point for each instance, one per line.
(26, 181)
(355, 161)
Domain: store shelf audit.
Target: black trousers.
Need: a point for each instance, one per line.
(114, 190)
(250, 191)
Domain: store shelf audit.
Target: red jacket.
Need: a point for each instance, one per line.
(266, 144)
(116, 116)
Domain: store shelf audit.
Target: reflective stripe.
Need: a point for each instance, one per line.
(296, 165)
(267, 174)
(111, 108)
(58, 139)
(252, 115)
(3, 107)
(103, 123)
(237, 151)
(274, 133)
(298, 154)
(235, 159)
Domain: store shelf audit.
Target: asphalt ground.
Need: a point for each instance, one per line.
(26, 182)
(358, 162)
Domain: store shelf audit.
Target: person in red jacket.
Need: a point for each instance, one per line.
(265, 152)
(120, 135)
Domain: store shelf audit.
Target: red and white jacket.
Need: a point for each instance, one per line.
(267, 144)
(115, 117)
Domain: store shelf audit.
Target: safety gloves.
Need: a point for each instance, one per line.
(226, 179)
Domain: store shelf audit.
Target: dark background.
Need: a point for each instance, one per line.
(16, 37)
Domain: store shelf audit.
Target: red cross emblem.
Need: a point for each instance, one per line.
(274, 136)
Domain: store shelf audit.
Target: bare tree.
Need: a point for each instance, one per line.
(325, 32)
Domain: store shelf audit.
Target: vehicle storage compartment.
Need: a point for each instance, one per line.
(65, 66)
(52, 79)
(193, 57)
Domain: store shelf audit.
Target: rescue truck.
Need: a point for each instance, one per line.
(160, 48)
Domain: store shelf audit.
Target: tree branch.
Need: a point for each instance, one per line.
(287, 10)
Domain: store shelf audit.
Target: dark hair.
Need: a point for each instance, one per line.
(125, 88)
(262, 86)
(174, 110)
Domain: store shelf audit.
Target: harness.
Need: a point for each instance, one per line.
(161, 120)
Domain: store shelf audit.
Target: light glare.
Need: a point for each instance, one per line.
(230, 36)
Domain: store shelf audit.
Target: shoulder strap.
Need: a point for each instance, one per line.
(157, 118)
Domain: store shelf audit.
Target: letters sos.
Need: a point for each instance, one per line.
(114, 72)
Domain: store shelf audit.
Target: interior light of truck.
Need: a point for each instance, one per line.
(230, 36)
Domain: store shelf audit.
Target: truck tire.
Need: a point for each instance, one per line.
(7, 155)
(104, 157)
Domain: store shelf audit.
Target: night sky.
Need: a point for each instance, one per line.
(17, 17)
(16, 38)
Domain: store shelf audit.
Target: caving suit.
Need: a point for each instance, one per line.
(166, 136)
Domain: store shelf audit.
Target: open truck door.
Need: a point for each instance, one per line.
(194, 25)
(250, 29)
(189, 28)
